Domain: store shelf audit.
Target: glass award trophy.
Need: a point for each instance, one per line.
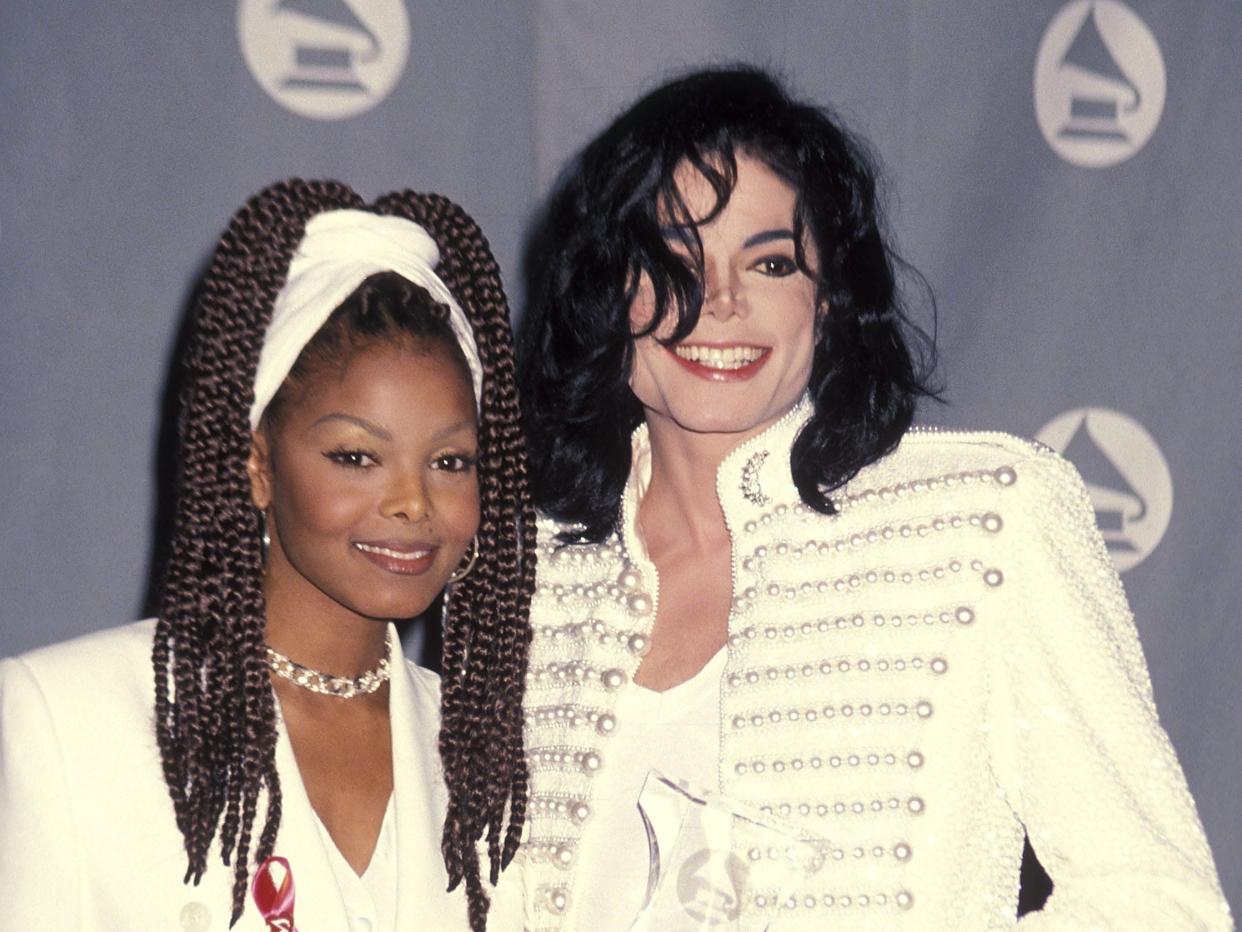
(718, 865)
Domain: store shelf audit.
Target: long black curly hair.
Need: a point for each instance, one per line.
(605, 227)
(214, 705)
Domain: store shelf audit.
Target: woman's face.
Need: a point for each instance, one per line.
(368, 482)
(748, 359)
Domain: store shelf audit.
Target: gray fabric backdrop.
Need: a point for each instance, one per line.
(1065, 173)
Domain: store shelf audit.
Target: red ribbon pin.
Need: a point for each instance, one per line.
(272, 890)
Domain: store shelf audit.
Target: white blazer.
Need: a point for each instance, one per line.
(88, 840)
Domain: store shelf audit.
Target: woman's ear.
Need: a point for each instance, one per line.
(259, 469)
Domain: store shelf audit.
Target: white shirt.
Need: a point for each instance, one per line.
(370, 899)
(676, 732)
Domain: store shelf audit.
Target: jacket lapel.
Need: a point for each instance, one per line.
(318, 906)
(420, 800)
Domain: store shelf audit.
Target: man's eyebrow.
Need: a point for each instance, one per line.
(366, 425)
(767, 236)
(678, 234)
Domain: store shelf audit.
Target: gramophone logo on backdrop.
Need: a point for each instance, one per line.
(1099, 83)
(1126, 476)
(325, 59)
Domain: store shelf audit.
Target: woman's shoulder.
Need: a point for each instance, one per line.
(110, 647)
(115, 660)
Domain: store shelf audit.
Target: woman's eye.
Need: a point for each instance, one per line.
(353, 459)
(453, 462)
(776, 266)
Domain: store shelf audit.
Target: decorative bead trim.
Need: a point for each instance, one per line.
(593, 592)
(1004, 476)
(855, 581)
(900, 851)
(875, 709)
(565, 757)
(893, 805)
(760, 765)
(551, 898)
(580, 554)
(988, 521)
(576, 673)
(838, 665)
(962, 614)
(568, 715)
(552, 850)
(901, 900)
(568, 806)
(592, 596)
(604, 634)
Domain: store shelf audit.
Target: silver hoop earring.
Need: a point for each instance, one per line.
(472, 554)
(265, 539)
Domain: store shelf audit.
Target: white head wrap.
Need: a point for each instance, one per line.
(339, 250)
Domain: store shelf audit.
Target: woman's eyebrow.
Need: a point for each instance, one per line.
(366, 425)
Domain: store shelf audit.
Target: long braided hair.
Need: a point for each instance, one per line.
(214, 706)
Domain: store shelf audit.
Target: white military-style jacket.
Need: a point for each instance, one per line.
(946, 663)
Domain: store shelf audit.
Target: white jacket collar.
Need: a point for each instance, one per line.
(754, 474)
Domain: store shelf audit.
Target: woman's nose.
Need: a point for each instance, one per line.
(406, 498)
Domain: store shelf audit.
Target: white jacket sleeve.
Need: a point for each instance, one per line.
(40, 874)
(1077, 746)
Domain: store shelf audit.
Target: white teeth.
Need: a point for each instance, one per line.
(394, 554)
(715, 357)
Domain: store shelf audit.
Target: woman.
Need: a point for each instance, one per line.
(349, 444)
(755, 578)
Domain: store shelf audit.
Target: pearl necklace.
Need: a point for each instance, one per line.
(342, 687)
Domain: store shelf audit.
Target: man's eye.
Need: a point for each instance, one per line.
(776, 266)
